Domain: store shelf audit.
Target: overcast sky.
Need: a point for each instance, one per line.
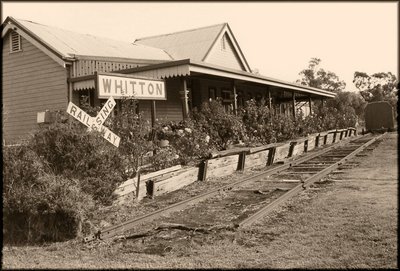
(277, 38)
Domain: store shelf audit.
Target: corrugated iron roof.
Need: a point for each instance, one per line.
(193, 43)
(69, 43)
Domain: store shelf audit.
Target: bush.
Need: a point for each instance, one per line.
(39, 206)
(21, 165)
(71, 151)
(263, 127)
(285, 127)
(329, 117)
(136, 135)
(224, 128)
(257, 121)
(164, 157)
(187, 142)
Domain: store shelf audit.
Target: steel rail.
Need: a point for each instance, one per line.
(128, 225)
(271, 206)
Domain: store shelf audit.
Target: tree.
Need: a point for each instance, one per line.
(347, 99)
(341, 111)
(377, 87)
(316, 77)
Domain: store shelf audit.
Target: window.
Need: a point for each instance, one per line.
(223, 43)
(86, 97)
(15, 42)
(240, 98)
(227, 100)
(227, 96)
(211, 93)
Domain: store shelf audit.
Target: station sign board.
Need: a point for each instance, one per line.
(123, 86)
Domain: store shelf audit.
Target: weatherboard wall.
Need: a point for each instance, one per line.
(169, 110)
(31, 82)
(225, 56)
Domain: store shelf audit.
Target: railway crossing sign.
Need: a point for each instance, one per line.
(96, 123)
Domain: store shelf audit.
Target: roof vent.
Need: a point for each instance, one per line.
(223, 43)
(15, 42)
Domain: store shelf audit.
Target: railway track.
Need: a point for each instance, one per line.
(243, 202)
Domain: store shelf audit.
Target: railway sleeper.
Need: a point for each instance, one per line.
(318, 162)
(307, 168)
(297, 173)
(316, 165)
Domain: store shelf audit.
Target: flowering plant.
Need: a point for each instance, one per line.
(188, 142)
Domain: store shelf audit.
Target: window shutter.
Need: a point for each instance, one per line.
(15, 45)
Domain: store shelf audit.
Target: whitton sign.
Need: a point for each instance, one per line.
(119, 87)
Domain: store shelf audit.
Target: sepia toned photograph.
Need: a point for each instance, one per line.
(200, 135)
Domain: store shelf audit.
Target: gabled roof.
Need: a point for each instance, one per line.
(66, 43)
(194, 44)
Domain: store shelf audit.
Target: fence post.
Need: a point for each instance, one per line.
(203, 170)
(271, 156)
(242, 160)
(317, 140)
(291, 148)
(138, 185)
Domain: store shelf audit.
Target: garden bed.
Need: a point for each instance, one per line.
(221, 164)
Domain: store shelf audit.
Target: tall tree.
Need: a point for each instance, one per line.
(377, 87)
(346, 99)
(315, 76)
(345, 107)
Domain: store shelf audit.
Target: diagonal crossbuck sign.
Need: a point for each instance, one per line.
(96, 123)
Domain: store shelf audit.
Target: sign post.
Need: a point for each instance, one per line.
(125, 86)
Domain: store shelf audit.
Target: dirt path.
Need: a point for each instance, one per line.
(348, 221)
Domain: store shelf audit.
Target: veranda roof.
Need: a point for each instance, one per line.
(187, 67)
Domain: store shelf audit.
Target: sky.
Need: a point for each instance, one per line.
(277, 38)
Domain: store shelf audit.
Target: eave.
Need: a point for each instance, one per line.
(187, 67)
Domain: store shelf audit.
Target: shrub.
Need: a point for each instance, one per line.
(71, 151)
(329, 117)
(20, 165)
(224, 128)
(187, 142)
(135, 132)
(263, 127)
(38, 206)
(66, 148)
(257, 121)
(284, 127)
(164, 157)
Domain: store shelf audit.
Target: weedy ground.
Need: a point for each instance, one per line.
(347, 220)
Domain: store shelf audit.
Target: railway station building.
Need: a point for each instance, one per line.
(45, 67)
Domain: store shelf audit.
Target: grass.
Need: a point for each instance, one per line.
(348, 221)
